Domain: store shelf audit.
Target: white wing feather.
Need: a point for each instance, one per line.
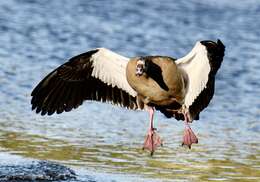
(110, 68)
(197, 67)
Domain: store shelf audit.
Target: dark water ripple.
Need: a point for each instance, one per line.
(36, 36)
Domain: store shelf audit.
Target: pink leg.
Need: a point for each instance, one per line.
(189, 137)
(152, 140)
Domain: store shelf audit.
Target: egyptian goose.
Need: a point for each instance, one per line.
(179, 88)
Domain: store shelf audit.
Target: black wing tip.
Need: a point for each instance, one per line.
(218, 43)
(50, 82)
(39, 110)
(221, 46)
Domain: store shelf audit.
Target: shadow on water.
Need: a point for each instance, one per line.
(37, 36)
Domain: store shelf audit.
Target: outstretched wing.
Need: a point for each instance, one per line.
(98, 74)
(201, 66)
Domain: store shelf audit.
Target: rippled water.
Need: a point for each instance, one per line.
(105, 141)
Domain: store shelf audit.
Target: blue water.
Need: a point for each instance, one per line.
(37, 36)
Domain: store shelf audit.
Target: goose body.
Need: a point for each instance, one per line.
(168, 89)
(179, 88)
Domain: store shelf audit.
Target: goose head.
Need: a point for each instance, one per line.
(140, 67)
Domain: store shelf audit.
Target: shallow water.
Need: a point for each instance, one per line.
(105, 141)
